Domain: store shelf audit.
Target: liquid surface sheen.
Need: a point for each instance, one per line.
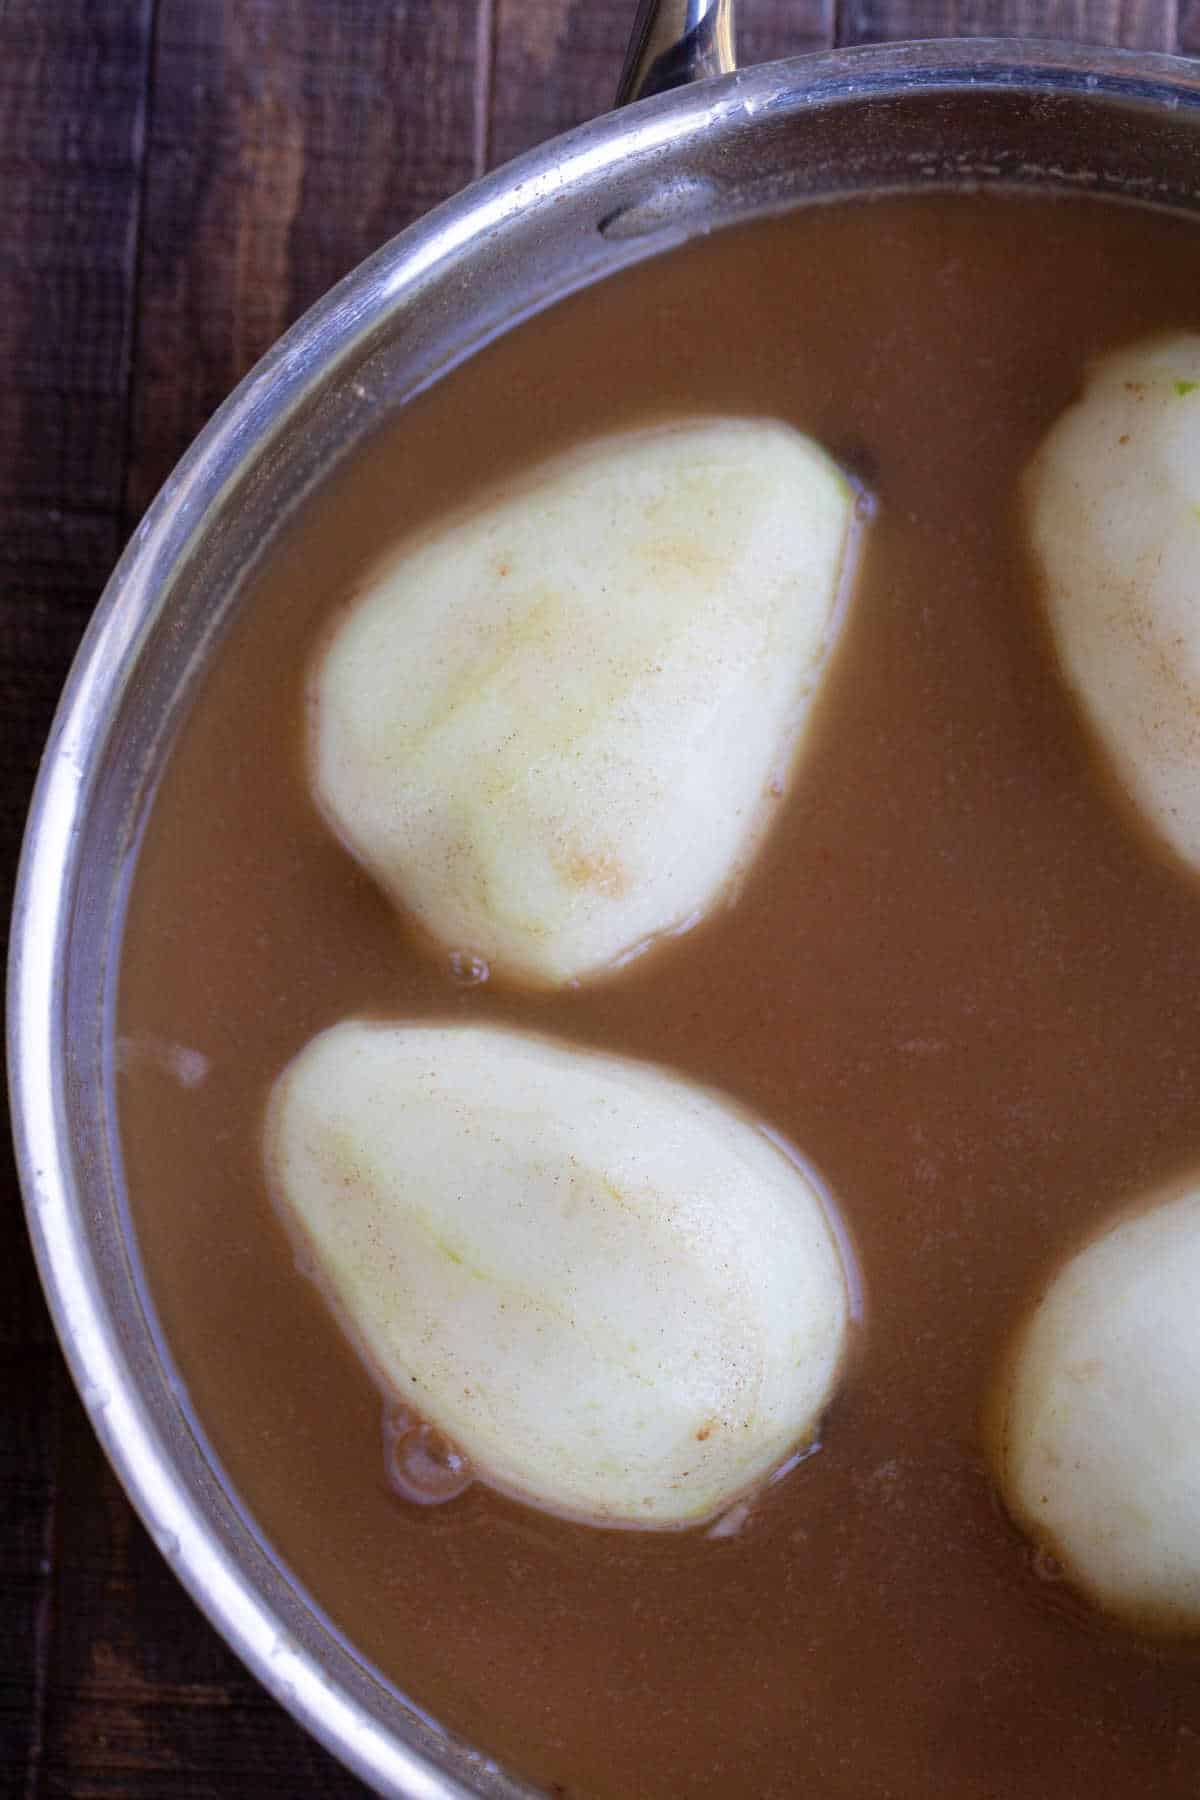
(961, 975)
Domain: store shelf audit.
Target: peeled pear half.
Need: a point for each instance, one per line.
(1114, 513)
(557, 729)
(1098, 1419)
(609, 1288)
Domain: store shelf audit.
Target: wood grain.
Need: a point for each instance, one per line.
(1137, 24)
(52, 563)
(555, 64)
(144, 1698)
(72, 95)
(287, 140)
(177, 182)
(771, 28)
(72, 120)
(72, 114)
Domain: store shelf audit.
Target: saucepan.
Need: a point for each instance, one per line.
(704, 145)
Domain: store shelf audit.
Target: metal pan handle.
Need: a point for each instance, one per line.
(675, 42)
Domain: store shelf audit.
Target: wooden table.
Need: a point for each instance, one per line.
(179, 179)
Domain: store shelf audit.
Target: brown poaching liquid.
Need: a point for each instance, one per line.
(961, 978)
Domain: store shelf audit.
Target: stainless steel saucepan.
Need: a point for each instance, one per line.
(691, 155)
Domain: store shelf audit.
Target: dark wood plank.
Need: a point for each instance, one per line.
(72, 97)
(31, 1391)
(556, 62)
(1137, 24)
(771, 28)
(146, 1700)
(72, 89)
(53, 562)
(287, 140)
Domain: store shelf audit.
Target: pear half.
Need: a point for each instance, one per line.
(558, 729)
(1114, 514)
(609, 1288)
(1098, 1419)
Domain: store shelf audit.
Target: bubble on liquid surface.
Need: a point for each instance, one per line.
(1046, 1566)
(423, 1465)
(397, 1419)
(468, 969)
(187, 1066)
